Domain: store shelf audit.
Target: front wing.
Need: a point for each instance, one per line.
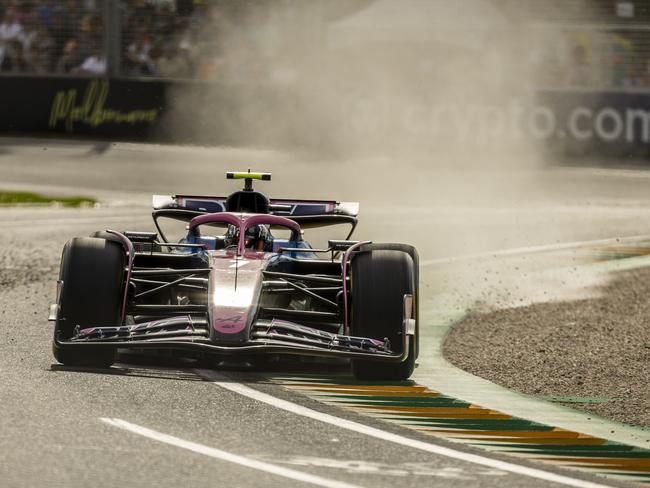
(267, 337)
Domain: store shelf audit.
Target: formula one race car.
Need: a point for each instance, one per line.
(239, 280)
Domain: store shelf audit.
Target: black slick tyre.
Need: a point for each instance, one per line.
(92, 271)
(379, 281)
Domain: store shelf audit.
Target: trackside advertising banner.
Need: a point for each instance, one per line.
(607, 123)
(615, 123)
(81, 106)
(618, 118)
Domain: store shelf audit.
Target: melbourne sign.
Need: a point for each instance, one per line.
(69, 108)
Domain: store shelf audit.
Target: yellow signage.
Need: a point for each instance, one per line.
(92, 111)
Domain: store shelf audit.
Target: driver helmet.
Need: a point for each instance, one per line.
(258, 237)
(232, 236)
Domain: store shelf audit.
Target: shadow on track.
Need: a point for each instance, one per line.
(138, 371)
(255, 370)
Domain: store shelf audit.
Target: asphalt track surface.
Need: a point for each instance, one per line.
(51, 427)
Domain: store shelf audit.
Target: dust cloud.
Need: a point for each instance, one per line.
(440, 84)
(423, 108)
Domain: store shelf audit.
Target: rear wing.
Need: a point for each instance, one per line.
(281, 207)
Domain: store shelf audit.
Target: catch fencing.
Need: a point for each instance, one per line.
(577, 44)
(116, 38)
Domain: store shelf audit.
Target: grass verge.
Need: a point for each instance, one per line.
(17, 198)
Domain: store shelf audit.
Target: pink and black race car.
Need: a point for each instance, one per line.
(240, 279)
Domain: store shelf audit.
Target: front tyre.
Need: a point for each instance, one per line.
(92, 271)
(379, 281)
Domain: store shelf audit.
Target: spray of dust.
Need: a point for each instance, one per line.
(423, 108)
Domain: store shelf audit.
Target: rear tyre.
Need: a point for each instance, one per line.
(92, 271)
(379, 281)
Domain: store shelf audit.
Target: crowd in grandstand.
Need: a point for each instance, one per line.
(167, 38)
(67, 37)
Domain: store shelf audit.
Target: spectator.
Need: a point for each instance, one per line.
(37, 46)
(94, 65)
(579, 71)
(60, 33)
(139, 62)
(70, 57)
(11, 32)
(46, 13)
(172, 63)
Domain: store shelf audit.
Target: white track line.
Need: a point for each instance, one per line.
(395, 438)
(226, 456)
(533, 249)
